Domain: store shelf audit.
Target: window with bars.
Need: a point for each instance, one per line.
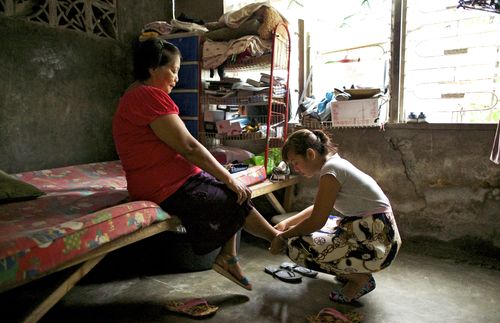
(451, 65)
(446, 64)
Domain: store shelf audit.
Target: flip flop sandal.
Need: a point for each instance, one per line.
(339, 297)
(299, 269)
(342, 279)
(328, 314)
(196, 307)
(283, 274)
(223, 269)
(331, 315)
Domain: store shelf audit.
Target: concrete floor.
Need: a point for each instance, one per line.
(414, 289)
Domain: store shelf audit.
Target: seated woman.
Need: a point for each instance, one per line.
(364, 241)
(165, 164)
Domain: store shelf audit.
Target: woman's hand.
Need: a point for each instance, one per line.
(241, 190)
(278, 245)
(282, 226)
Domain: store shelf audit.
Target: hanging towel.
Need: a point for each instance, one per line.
(495, 151)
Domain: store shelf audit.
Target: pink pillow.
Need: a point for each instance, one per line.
(226, 154)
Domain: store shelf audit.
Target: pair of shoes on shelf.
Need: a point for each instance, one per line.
(223, 269)
(413, 118)
(421, 118)
(195, 307)
(339, 297)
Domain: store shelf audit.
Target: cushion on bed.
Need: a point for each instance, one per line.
(12, 189)
(228, 154)
(84, 207)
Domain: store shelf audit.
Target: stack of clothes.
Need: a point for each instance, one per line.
(237, 35)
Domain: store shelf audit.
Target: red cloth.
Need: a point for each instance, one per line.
(153, 170)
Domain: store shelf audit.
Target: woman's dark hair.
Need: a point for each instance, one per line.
(303, 139)
(152, 53)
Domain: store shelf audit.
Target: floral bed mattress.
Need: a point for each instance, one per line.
(84, 207)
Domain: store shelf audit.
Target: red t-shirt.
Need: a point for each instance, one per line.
(153, 170)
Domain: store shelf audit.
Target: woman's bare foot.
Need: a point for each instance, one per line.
(229, 267)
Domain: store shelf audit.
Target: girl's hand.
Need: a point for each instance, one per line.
(282, 226)
(278, 245)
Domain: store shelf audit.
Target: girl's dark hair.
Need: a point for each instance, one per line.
(152, 53)
(303, 139)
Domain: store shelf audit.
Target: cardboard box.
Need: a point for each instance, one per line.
(252, 175)
(227, 127)
(359, 113)
(214, 115)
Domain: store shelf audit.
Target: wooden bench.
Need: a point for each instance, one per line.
(72, 270)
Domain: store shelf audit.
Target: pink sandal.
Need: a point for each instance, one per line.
(331, 315)
(196, 307)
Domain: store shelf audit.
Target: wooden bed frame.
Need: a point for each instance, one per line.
(77, 268)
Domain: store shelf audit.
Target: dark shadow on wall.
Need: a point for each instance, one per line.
(59, 88)
(469, 250)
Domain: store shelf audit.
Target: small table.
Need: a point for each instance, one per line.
(267, 188)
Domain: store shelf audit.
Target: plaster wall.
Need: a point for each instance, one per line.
(439, 178)
(208, 12)
(59, 88)
(58, 91)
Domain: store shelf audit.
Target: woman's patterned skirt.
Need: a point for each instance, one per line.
(353, 244)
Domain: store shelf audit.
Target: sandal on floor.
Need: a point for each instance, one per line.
(331, 315)
(339, 297)
(299, 269)
(224, 271)
(196, 307)
(283, 274)
(342, 279)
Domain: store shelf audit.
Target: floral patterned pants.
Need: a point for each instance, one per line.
(353, 244)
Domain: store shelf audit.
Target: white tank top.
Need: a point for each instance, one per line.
(359, 193)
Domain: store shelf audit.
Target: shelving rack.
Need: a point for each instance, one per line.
(277, 65)
(186, 94)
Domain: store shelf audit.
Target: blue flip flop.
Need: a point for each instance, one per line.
(223, 269)
(282, 274)
(299, 269)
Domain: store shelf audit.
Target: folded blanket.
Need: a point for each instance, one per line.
(266, 14)
(249, 27)
(216, 53)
